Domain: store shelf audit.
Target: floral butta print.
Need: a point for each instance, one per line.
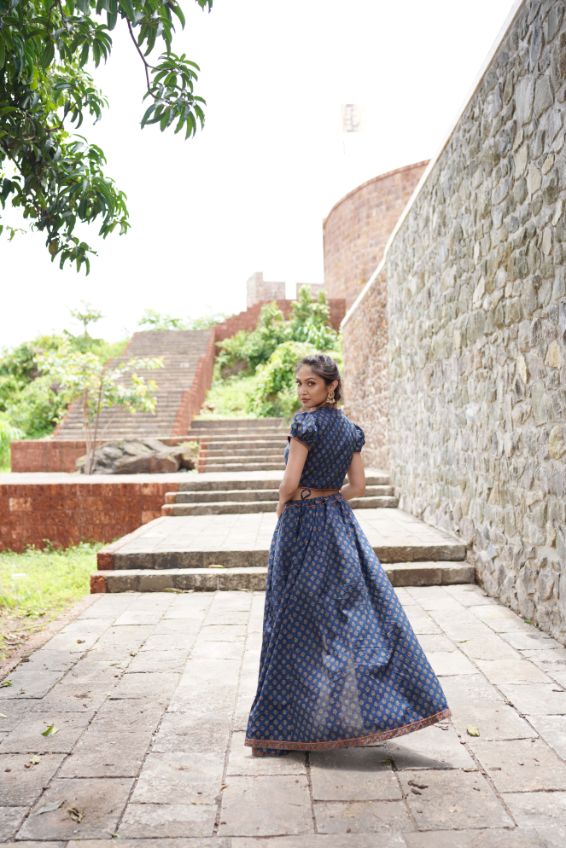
(340, 664)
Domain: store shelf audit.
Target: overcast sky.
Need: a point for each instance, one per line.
(250, 192)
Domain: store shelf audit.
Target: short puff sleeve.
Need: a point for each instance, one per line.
(359, 438)
(303, 428)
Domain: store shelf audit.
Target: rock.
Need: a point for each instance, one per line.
(140, 456)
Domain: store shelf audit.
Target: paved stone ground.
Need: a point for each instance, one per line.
(388, 528)
(149, 696)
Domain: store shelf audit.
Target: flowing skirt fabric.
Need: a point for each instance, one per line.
(340, 664)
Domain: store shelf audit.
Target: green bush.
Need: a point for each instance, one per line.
(310, 321)
(8, 433)
(276, 391)
(35, 410)
(30, 400)
(248, 349)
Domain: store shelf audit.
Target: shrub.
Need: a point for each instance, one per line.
(276, 393)
(8, 433)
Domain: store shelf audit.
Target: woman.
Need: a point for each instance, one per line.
(340, 664)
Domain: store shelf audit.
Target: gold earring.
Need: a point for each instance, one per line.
(330, 397)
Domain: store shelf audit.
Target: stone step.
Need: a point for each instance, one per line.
(111, 434)
(172, 558)
(166, 413)
(243, 466)
(235, 436)
(254, 578)
(249, 494)
(182, 352)
(247, 457)
(165, 410)
(207, 485)
(215, 423)
(222, 507)
(230, 431)
(246, 446)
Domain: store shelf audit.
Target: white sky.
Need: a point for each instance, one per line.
(250, 192)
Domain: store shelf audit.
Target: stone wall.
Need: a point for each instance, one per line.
(473, 290)
(356, 229)
(258, 289)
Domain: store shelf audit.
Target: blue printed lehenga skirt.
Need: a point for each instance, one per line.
(340, 664)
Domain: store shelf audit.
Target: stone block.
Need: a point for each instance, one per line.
(353, 774)
(143, 821)
(520, 765)
(196, 777)
(444, 797)
(266, 805)
(98, 802)
(360, 817)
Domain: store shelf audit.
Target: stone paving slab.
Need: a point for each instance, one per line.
(396, 533)
(148, 698)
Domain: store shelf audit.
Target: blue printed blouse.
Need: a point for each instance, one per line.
(331, 439)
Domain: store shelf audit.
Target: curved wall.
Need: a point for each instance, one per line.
(356, 229)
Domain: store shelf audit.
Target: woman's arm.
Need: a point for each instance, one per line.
(356, 485)
(298, 452)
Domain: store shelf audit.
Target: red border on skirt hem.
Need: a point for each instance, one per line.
(380, 735)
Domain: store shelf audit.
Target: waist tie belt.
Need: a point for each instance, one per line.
(312, 502)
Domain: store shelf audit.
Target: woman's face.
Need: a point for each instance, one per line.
(311, 388)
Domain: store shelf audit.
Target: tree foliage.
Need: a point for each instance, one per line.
(48, 171)
(245, 351)
(255, 369)
(154, 320)
(30, 400)
(98, 386)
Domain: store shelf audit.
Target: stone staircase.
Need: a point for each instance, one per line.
(214, 533)
(240, 444)
(230, 551)
(184, 353)
(215, 497)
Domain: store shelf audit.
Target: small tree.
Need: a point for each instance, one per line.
(158, 321)
(310, 320)
(85, 314)
(81, 376)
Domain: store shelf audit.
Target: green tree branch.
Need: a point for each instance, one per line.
(57, 178)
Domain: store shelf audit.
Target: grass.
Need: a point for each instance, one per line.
(37, 585)
(228, 398)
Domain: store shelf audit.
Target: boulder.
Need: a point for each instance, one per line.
(140, 456)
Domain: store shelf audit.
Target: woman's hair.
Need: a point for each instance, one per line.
(325, 367)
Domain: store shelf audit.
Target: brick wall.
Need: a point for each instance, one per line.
(69, 513)
(365, 373)
(247, 320)
(356, 229)
(35, 455)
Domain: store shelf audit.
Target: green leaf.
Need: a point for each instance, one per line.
(47, 54)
